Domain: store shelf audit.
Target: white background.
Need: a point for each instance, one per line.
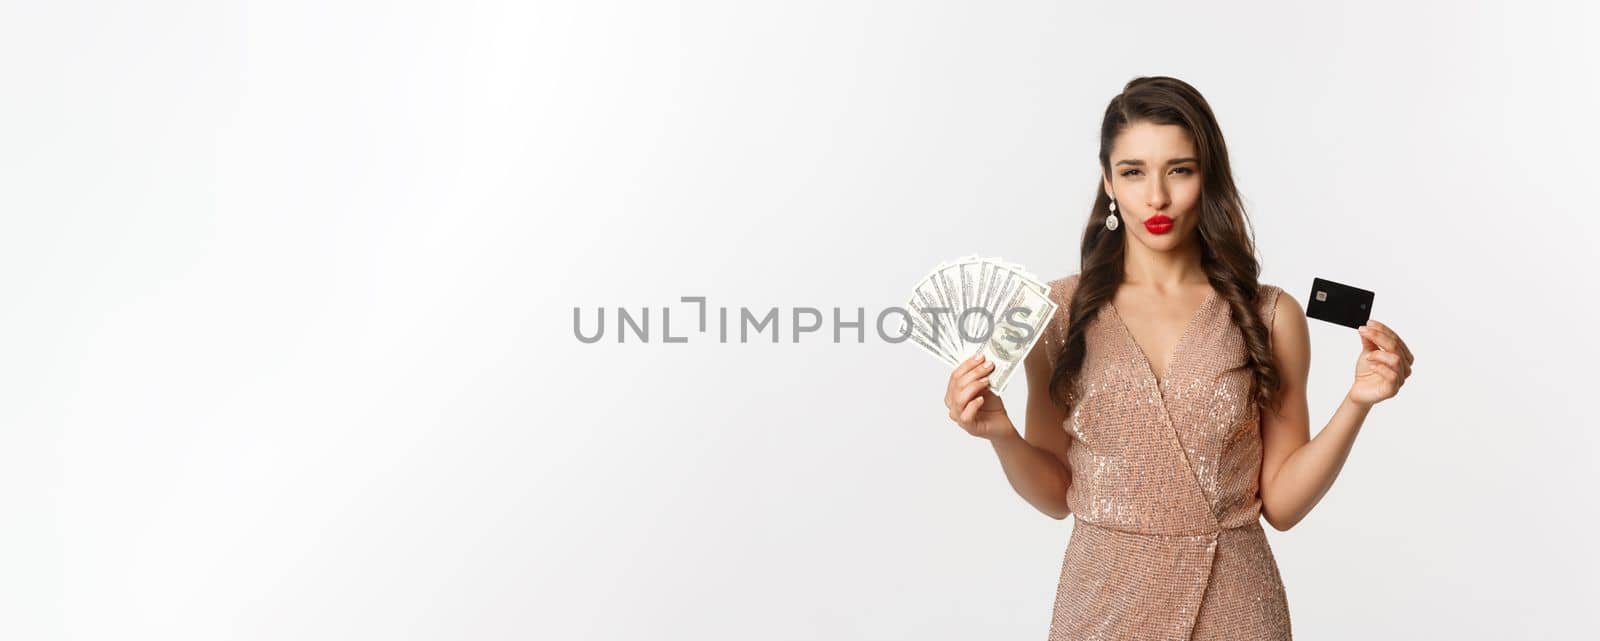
(287, 352)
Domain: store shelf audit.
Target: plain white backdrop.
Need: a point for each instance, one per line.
(286, 333)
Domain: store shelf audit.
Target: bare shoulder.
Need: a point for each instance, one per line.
(1284, 301)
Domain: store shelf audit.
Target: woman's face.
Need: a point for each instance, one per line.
(1155, 172)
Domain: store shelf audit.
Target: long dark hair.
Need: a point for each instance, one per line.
(1228, 253)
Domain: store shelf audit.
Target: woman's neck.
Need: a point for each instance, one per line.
(1167, 271)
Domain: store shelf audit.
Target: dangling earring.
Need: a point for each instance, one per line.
(1111, 219)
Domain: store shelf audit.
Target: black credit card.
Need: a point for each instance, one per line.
(1339, 303)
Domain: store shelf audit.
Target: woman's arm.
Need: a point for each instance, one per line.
(1036, 465)
(1296, 470)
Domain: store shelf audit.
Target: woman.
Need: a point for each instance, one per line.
(1166, 399)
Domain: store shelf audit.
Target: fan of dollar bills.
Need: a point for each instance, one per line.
(973, 304)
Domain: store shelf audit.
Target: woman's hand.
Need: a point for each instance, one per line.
(972, 406)
(1383, 367)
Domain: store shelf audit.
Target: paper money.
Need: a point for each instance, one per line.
(974, 304)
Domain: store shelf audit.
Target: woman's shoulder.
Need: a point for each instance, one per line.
(1055, 330)
(1063, 287)
(1269, 298)
(1268, 292)
(1061, 290)
(1073, 278)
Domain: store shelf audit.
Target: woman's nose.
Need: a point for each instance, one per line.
(1157, 196)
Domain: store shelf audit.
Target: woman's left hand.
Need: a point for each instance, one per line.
(1383, 367)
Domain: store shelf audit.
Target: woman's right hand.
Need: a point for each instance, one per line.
(972, 405)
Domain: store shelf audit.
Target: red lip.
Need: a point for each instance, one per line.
(1158, 224)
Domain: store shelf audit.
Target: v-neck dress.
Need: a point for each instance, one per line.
(1167, 541)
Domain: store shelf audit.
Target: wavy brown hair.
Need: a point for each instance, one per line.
(1228, 253)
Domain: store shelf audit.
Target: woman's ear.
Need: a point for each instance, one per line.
(1105, 182)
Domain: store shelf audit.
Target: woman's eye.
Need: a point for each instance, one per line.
(1129, 172)
(1185, 170)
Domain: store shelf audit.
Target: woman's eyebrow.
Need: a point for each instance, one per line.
(1140, 163)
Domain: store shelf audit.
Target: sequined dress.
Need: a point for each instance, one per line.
(1167, 540)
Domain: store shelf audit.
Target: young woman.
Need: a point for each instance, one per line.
(1166, 399)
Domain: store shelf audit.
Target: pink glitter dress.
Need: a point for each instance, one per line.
(1167, 540)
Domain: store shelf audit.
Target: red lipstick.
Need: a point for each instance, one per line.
(1158, 224)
